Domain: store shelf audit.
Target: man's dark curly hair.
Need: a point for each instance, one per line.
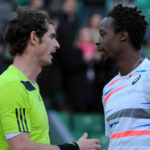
(19, 28)
(129, 19)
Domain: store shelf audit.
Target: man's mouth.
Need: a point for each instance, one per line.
(100, 49)
(52, 52)
(102, 52)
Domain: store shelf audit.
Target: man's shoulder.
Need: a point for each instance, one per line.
(146, 64)
(112, 80)
(12, 88)
(8, 77)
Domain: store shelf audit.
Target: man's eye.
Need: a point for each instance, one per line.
(102, 33)
(52, 36)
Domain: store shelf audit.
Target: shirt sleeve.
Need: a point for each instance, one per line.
(14, 108)
(11, 135)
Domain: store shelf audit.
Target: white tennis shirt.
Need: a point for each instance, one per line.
(126, 101)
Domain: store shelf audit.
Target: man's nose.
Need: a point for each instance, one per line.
(98, 41)
(98, 45)
(57, 45)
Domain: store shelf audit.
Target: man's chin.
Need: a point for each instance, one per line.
(46, 63)
(105, 57)
(110, 59)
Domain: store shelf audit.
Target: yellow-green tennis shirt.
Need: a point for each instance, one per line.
(21, 108)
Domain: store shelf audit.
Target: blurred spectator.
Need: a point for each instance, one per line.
(70, 59)
(75, 82)
(36, 4)
(86, 44)
(90, 7)
(93, 23)
(69, 24)
(53, 6)
(6, 8)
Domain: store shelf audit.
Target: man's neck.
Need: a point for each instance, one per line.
(28, 67)
(128, 59)
(128, 64)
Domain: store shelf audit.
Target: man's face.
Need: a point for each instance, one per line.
(46, 47)
(108, 44)
(69, 6)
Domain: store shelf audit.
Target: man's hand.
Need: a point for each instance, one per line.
(88, 144)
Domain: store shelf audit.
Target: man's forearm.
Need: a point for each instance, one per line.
(23, 142)
(38, 146)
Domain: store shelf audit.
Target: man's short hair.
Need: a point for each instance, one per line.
(19, 28)
(129, 19)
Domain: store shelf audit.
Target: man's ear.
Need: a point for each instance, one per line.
(33, 38)
(123, 35)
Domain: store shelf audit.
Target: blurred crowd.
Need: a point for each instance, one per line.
(75, 80)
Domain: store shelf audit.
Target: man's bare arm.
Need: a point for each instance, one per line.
(23, 142)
